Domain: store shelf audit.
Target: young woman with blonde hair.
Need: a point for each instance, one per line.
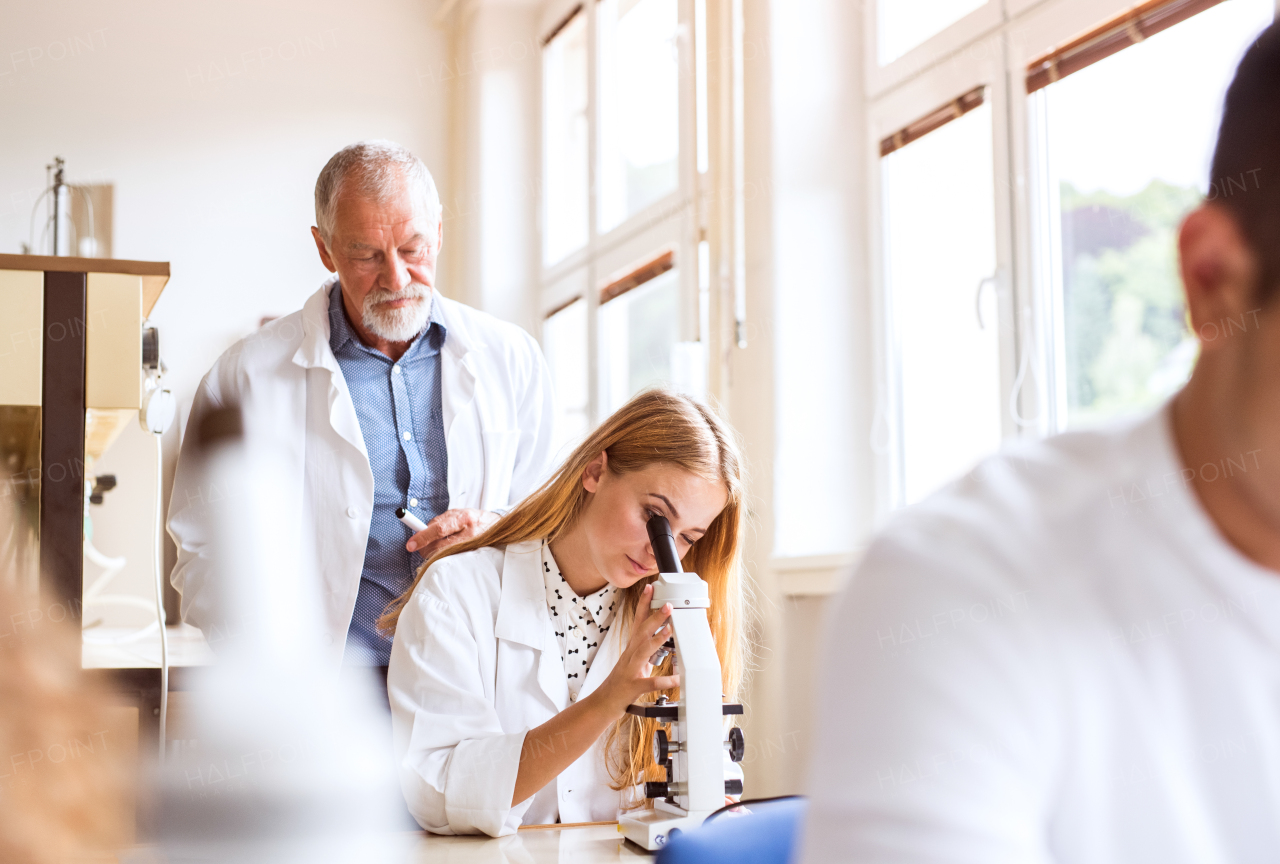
(516, 653)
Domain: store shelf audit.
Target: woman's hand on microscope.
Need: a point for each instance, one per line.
(552, 747)
(633, 676)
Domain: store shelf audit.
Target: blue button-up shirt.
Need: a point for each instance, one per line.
(402, 420)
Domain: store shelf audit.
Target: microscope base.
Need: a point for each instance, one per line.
(651, 829)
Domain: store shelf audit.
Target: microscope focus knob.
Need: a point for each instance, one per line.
(655, 790)
(660, 751)
(737, 744)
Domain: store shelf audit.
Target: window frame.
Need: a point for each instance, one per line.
(970, 28)
(917, 98)
(992, 45)
(673, 221)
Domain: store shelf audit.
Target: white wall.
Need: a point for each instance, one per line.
(212, 120)
(496, 71)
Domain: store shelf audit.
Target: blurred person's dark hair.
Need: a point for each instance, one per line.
(66, 787)
(1245, 177)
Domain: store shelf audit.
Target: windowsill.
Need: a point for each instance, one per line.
(813, 575)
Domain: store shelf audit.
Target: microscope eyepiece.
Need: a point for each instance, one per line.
(664, 545)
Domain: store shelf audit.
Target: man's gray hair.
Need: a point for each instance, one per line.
(376, 169)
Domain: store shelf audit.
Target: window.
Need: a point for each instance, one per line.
(640, 100)
(1027, 278)
(902, 25)
(1127, 143)
(564, 340)
(940, 271)
(640, 332)
(613, 326)
(565, 175)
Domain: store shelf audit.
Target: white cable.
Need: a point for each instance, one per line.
(159, 562)
(93, 596)
(110, 566)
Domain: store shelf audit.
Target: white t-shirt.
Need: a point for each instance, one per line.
(1057, 658)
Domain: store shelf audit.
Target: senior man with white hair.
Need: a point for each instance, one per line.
(386, 395)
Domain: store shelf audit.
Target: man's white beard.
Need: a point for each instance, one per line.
(396, 325)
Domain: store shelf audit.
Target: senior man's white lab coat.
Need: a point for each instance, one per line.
(475, 665)
(498, 418)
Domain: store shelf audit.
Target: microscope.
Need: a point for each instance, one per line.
(693, 751)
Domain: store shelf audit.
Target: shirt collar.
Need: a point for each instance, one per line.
(599, 605)
(341, 331)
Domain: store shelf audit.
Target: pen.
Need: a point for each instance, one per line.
(415, 524)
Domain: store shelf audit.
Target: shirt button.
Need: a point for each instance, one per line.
(573, 697)
(395, 370)
(408, 436)
(413, 502)
(353, 512)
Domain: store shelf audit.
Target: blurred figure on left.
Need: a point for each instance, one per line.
(66, 758)
(385, 396)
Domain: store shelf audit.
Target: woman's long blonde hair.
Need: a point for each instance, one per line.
(655, 427)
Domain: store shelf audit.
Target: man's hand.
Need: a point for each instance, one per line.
(451, 526)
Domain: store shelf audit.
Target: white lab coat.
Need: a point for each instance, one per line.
(498, 417)
(474, 666)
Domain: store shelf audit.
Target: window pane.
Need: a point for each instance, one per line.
(639, 105)
(940, 249)
(564, 339)
(902, 25)
(564, 144)
(638, 333)
(1129, 142)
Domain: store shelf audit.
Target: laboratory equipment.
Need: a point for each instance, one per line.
(693, 751)
(73, 379)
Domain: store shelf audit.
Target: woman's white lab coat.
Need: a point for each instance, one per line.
(475, 665)
(498, 418)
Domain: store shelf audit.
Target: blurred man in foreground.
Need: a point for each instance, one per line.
(1073, 653)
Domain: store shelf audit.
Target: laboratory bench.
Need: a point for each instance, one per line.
(589, 843)
(551, 844)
